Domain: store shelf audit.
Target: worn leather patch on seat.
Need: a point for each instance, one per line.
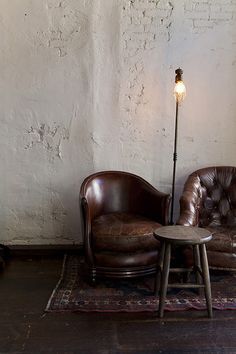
(123, 232)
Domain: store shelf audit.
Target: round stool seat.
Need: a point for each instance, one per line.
(183, 235)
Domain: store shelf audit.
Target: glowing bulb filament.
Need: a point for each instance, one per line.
(179, 91)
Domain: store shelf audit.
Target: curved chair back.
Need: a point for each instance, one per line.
(115, 191)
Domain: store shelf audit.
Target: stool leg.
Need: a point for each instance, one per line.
(164, 279)
(206, 278)
(160, 260)
(197, 265)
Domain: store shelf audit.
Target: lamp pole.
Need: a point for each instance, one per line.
(179, 92)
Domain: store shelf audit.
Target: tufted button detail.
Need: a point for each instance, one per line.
(217, 211)
(216, 194)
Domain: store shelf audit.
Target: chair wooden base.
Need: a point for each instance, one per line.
(92, 273)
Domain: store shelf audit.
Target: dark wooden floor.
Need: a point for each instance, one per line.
(26, 285)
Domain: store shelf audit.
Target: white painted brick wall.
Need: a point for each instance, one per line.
(87, 85)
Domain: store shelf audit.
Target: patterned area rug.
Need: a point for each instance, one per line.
(72, 293)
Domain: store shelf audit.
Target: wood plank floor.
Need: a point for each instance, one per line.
(25, 286)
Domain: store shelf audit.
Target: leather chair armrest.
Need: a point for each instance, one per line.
(188, 213)
(86, 228)
(189, 203)
(156, 205)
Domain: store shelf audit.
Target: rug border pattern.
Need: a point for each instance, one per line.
(130, 304)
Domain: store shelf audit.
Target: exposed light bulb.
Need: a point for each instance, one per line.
(179, 91)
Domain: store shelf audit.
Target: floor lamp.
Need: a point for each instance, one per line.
(179, 93)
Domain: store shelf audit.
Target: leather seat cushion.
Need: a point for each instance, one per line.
(221, 250)
(223, 239)
(222, 260)
(123, 232)
(216, 259)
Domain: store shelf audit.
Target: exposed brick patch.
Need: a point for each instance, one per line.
(201, 15)
(144, 24)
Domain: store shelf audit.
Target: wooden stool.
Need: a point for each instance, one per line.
(182, 236)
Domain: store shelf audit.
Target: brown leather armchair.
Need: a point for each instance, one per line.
(209, 200)
(119, 212)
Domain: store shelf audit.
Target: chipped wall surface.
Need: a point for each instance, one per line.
(86, 85)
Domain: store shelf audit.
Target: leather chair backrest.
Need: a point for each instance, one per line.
(216, 188)
(115, 191)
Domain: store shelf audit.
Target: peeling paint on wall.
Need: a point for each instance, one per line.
(48, 137)
(68, 27)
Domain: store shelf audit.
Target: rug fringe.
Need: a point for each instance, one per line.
(57, 285)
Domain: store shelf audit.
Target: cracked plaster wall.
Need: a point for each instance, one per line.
(87, 85)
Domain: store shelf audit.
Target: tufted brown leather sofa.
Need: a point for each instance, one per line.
(209, 200)
(120, 211)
